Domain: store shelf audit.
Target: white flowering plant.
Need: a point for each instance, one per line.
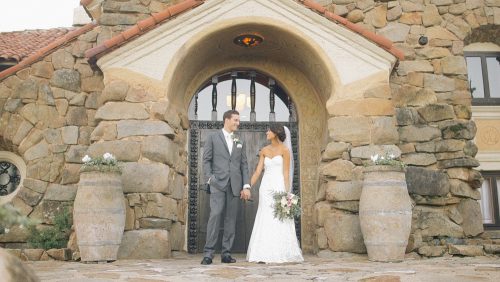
(286, 205)
(387, 159)
(106, 163)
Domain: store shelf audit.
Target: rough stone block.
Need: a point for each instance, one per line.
(344, 233)
(123, 150)
(350, 130)
(145, 244)
(427, 182)
(471, 213)
(466, 250)
(334, 150)
(121, 111)
(128, 128)
(342, 170)
(143, 177)
(414, 133)
(344, 191)
(432, 251)
(66, 79)
(436, 112)
(462, 189)
(56, 192)
(160, 149)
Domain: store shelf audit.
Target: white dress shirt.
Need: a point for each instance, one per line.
(229, 140)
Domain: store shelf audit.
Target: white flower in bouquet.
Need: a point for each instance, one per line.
(286, 205)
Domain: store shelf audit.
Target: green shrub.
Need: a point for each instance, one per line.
(52, 237)
(10, 216)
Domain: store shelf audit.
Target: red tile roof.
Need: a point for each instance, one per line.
(47, 47)
(157, 18)
(18, 45)
(141, 27)
(377, 39)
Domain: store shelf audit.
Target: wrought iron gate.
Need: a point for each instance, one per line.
(253, 134)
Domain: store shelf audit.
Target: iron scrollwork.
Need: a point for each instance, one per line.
(194, 146)
(9, 178)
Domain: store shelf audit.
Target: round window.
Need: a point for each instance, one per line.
(9, 178)
(12, 173)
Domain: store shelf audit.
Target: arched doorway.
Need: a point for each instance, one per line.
(296, 63)
(260, 99)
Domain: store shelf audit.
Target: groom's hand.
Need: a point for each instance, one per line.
(245, 194)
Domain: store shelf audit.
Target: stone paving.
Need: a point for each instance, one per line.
(326, 266)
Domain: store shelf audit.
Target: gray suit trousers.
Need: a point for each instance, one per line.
(218, 200)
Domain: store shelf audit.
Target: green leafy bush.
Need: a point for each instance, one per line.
(10, 216)
(52, 237)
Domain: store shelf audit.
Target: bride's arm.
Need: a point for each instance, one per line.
(286, 169)
(258, 170)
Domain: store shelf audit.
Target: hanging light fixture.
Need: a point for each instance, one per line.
(248, 40)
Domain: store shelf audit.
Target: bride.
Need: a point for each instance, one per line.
(272, 240)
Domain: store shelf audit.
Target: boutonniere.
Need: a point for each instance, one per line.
(237, 141)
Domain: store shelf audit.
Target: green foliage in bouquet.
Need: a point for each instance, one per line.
(52, 237)
(286, 206)
(106, 163)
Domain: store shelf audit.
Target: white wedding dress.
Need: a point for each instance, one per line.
(272, 240)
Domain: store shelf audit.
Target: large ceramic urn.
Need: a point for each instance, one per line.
(385, 213)
(99, 215)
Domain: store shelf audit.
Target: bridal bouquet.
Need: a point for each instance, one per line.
(286, 205)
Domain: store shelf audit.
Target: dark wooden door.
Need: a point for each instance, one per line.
(253, 134)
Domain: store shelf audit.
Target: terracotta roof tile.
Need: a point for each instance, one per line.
(154, 20)
(141, 27)
(373, 37)
(18, 45)
(48, 46)
(85, 2)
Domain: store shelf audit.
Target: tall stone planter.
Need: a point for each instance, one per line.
(99, 215)
(385, 213)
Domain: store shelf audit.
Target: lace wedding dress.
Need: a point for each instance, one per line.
(272, 240)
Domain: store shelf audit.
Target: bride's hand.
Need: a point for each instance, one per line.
(245, 194)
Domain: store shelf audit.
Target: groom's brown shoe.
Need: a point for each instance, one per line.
(206, 261)
(227, 259)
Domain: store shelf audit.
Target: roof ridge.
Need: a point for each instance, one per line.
(150, 22)
(38, 29)
(47, 49)
(380, 40)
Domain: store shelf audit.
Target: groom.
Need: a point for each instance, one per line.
(226, 170)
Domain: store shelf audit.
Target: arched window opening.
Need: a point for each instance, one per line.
(256, 96)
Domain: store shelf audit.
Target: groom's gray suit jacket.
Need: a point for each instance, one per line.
(221, 167)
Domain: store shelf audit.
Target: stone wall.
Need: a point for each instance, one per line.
(59, 109)
(432, 112)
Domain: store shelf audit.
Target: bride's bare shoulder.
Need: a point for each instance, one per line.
(264, 150)
(284, 149)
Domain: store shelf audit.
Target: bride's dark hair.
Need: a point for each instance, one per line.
(279, 130)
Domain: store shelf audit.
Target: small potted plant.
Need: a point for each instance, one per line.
(385, 209)
(99, 209)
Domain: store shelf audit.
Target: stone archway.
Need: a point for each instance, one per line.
(308, 91)
(337, 79)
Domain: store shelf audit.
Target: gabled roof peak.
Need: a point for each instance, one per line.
(158, 18)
